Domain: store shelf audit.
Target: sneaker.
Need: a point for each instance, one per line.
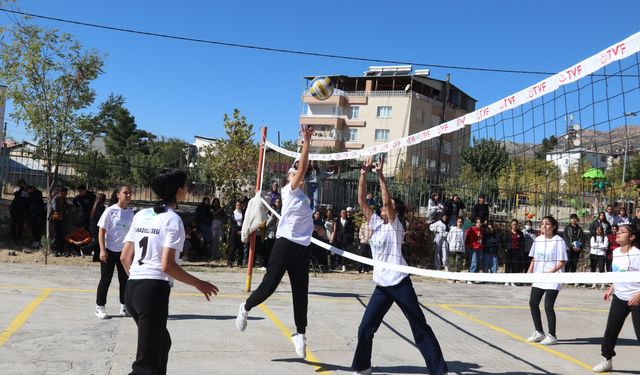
(101, 312)
(344, 268)
(123, 311)
(507, 284)
(605, 365)
(300, 344)
(35, 245)
(241, 320)
(593, 286)
(363, 372)
(536, 336)
(549, 340)
(469, 282)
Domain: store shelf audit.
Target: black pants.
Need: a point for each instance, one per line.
(236, 250)
(597, 262)
(58, 236)
(294, 259)
(106, 274)
(549, 301)
(405, 297)
(617, 315)
(572, 261)
(148, 304)
(17, 227)
(512, 261)
(365, 251)
(36, 228)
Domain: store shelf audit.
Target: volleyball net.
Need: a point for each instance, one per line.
(565, 145)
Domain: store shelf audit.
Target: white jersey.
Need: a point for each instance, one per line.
(628, 262)
(546, 253)
(386, 246)
(296, 223)
(116, 222)
(151, 233)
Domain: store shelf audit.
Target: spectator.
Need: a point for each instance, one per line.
(329, 229)
(313, 181)
(319, 253)
(37, 213)
(375, 206)
(455, 240)
(473, 242)
(610, 215)
(271, 228)
(274, 193)
(434, 207)
(96, 213)
(364, 234)
(601, 221)
(635, 221)
(78, 238)
(452, 208)
(598, 252)
(114, 225)
(18, 211)
(574, 239)
(613, 244)
(530, 235)
(481, 210)
(217, 227)
(204, 217)
(622, 217)
(549, 254)
(235, 229)
(440, 249)
(344, 234)
(84, 203)
(59, 212)
(194, 242)
(491, 242)
(514, 250)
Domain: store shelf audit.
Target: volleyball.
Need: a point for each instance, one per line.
(321, 88)
(576, 245)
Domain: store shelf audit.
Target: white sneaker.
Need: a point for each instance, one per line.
(300, 344)
(469, 282)
(101, 312)
(605, 365)
(363, 372)
(536, 336)
(549, 340)
(344, 268)
(123, 311)
(507, 284)
(593, 286)
(241, 320)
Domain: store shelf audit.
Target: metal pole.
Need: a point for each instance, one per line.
(626, 150)
(252, 236)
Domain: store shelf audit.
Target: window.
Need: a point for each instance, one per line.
(415, 160)
(352, 136)
(382, 134)
(444, 167)
(355, 112)
(603, 159)
(432, 165)
(446, 147)
(384, 112)
(434, 144)
(435, 120)
(420, 116)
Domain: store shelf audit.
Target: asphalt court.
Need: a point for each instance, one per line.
(48, 326)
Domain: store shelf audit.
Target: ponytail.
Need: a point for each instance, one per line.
(166, 185)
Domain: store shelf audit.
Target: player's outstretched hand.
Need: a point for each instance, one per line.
(207, 289)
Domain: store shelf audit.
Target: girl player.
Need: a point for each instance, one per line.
(151, 256)
(391, 286)
(290, 252)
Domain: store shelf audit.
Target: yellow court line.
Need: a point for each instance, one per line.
(520, 307)
(517, 337)
(23, 316)
(285, 331)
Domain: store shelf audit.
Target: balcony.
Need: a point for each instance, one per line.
(356, 123)
(337, 122)
(336, 99)
(353, 145)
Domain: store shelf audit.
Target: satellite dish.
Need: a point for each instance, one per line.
(576, 127)
(576, 142)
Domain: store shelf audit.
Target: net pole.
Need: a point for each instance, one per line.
(252, 236)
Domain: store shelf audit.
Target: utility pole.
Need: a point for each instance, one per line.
(445, 95)
(626, 151)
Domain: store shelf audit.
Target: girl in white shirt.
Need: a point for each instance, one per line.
(290, 252)
(391, 286)
(151, 256)
(549, 254)
(624, 296)
(598, 252)
(455, 239)
(112, 228)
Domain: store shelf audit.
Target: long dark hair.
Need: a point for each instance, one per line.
(633, 231)
(553, 222)
(166, 185)
(100, 199)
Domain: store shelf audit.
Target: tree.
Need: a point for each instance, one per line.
(487, 158)
(231, 163)
(48, 75)
(547, 145)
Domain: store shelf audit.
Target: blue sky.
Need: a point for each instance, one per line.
(181, 89)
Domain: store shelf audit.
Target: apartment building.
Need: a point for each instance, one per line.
(386, 103)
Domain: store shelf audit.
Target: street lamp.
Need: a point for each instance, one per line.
(626, 150)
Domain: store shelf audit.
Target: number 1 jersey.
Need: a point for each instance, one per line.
(151, 233)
